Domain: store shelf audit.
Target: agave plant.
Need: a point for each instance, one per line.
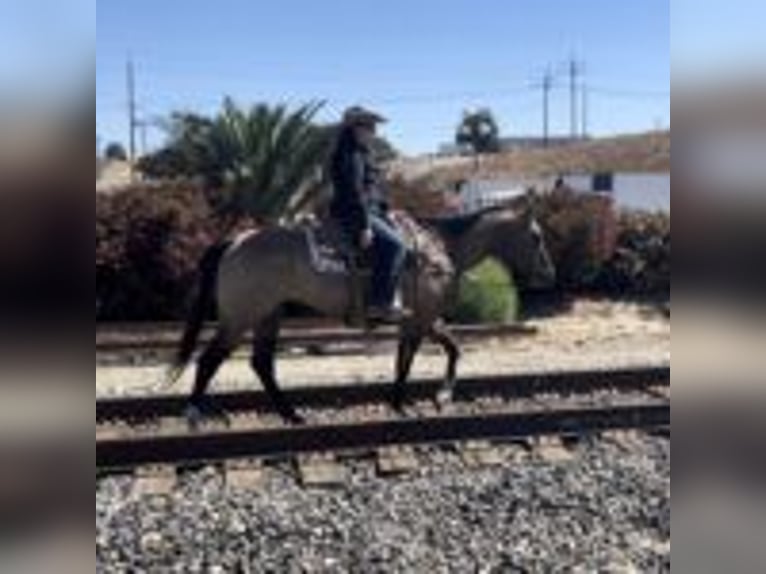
(264, 162)
(269, 157)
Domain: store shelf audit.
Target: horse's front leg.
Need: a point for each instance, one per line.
(409, 344)
(441, 334)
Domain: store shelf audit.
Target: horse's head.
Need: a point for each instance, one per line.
(519, 242)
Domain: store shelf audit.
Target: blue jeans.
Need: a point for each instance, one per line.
(388, 254)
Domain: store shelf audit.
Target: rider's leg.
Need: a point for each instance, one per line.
(389, 253)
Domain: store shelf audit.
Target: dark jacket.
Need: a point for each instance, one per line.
(356, 182)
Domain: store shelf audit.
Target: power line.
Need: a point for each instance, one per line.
(547, 83)
(629, 94)
(395, 100)
(446, 97)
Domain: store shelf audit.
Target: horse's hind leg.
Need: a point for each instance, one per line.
(217, 351)
(441, 335)
(262, 360)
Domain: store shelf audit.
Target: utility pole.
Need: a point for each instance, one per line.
(576, 69)
(132, 123)
(584, 110)
(546, 85)
(142, 126)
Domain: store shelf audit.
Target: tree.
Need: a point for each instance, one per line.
(187, 153)
(479, 131)
(115, 152)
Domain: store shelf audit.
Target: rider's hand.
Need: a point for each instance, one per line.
(365, 239)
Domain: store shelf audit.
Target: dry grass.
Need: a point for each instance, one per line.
(634, 153)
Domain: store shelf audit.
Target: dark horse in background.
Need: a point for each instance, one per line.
(253, 278)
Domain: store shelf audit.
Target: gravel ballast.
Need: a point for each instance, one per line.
(605, 509)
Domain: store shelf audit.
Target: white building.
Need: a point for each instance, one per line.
(641, 191)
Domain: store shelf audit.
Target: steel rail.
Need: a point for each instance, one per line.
(296, 337)
(208, 447)
(516, 385)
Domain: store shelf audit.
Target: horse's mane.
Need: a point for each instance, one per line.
(458, 225)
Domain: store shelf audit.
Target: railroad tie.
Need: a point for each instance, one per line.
(321, 470)
(159, 480)
(396, 460)
(244, 475)
(553, 449)
(478, 453)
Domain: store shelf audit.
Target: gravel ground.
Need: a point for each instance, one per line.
(607, 509)
(593, 334)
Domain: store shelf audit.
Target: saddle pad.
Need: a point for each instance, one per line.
(324, 254)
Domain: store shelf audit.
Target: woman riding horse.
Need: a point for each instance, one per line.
(360, 208)
(253, 278)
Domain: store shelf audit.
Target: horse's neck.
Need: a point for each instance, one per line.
(472, 246)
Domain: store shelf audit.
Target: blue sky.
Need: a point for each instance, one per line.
(420, 62)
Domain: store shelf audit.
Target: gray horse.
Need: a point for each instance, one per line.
(252, 279)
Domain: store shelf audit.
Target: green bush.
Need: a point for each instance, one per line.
(486, 295)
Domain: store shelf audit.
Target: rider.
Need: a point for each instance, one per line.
(360, 207)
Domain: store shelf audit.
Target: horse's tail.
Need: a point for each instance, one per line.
(202, 302)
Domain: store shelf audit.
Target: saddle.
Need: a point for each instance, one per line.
(329, 248)
(331, 252)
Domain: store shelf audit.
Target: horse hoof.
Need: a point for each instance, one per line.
(293, 418)
(398, 404)
(443, 398)
(194, 417)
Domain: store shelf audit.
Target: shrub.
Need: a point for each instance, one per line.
(148, 243)
(486, 295)
(640, 265)
(580, 231)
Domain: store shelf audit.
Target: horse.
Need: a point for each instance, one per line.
(251, 280)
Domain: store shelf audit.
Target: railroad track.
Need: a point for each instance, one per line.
(135, 432)
(127, 339)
